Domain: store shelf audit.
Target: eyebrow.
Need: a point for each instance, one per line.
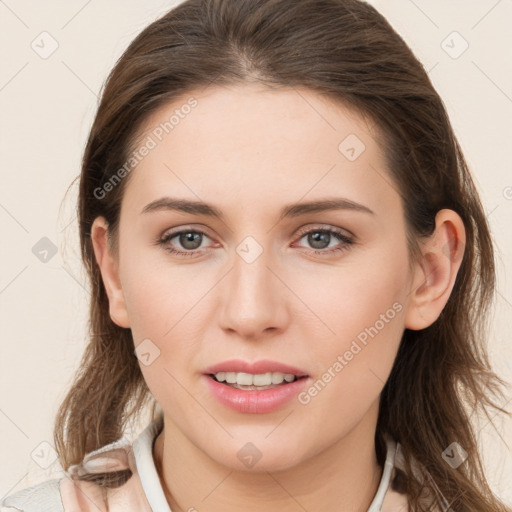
(291, 210)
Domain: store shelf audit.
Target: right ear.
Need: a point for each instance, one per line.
(109, 269)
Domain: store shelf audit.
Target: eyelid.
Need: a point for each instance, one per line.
(326, 227)
(176, 231)
(301, 231)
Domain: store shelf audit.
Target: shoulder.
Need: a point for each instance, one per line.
(44, 496)
(70, 492)
(82, 487)
(396, 498)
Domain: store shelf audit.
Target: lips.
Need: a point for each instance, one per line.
(253, 399)
(258, 367)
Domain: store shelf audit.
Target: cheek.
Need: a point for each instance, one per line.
(166, 306)
(364, 310)
(159, 315)
(159, 295)
(354, 302)
(352, 372)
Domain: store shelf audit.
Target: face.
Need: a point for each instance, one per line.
(266, 287)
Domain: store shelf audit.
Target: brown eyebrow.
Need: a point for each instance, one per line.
(291, 210)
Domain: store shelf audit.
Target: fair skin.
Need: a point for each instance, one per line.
(249, 150)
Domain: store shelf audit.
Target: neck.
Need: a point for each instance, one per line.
(343, 477)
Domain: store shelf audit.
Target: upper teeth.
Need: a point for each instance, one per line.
(260, 379)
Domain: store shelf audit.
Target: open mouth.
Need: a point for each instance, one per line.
(254, 382)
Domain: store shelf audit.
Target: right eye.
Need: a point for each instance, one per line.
(189, 239)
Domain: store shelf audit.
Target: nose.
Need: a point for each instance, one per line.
(255, 302)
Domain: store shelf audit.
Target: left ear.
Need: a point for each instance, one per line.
(435, 273)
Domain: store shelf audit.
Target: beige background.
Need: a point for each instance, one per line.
(47, 106)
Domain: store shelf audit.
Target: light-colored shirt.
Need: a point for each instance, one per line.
(143, 492)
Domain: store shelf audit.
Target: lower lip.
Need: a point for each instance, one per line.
(254, 401)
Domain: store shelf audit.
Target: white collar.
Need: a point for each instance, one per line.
(143, 453)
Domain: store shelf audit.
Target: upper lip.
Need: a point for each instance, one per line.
(256, 367)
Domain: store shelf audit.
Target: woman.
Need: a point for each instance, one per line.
(289, 262)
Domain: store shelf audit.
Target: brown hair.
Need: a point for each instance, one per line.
(346, 50)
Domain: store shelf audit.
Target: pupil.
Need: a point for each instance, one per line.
(188, 238)
(317, 237)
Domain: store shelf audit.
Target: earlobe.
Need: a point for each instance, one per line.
(436, 272)
(109, 272)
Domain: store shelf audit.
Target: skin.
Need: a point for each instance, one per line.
(249, 150)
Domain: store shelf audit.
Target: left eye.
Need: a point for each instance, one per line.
(318, 238)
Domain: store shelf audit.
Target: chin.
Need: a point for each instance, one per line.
(246, 453)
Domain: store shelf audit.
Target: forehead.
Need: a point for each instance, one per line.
(244, 141)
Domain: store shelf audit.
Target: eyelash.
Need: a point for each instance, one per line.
(337, 234)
